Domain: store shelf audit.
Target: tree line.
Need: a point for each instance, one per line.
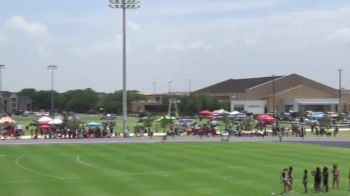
(88, 100)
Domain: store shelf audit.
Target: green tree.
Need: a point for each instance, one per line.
(80, 100)
(195, 102)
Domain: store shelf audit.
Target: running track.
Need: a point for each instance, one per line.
(328, 141)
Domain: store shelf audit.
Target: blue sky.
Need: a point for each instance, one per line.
(206, 41)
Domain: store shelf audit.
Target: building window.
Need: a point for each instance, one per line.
(13, 100)
(238, 108)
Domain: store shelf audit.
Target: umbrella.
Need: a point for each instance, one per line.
(6, 119)
(205, 113)
(266, 118)
(317, 116)
(93, 124)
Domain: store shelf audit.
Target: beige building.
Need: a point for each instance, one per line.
(279, 94)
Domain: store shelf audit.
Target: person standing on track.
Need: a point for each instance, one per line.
(336, 174)
(305, 181)
(325, 176)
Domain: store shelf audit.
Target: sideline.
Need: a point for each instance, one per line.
(34, 171)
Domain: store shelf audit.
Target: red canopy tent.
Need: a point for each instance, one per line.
(205, 113)
(44, 126)
(265, 117)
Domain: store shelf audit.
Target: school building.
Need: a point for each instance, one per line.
(279, 94)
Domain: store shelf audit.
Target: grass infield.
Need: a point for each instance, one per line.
(210, 168)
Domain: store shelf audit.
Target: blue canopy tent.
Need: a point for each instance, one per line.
(93, 124)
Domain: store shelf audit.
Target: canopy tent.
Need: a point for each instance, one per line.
(44, 120)
(265, 117)
(93, 124)
(44, 126)
(205, 113)
(221, 111)
(6, 119)
(234, 113)
(56, 121)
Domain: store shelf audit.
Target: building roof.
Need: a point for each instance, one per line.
(236, 85)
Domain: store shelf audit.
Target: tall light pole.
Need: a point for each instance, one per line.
(52, 68)
(339, 105)
(273, 94)
(154, 87)
(1, 68)
(189, 86)
(124, 4)
(169, 86)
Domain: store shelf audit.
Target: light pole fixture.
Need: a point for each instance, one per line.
(339, 104)
(52, 68)
(1, 68)
(124, 4)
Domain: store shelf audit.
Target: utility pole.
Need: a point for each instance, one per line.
(154, 87)
(52, 68)
(189, 86)
(124, 4)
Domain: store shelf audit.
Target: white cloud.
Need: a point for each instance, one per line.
(133, 26)
(34, 29)
(340, 36)
(227, 6)
(184, 47)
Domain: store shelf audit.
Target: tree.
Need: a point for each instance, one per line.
(195, 102)
(80, 100)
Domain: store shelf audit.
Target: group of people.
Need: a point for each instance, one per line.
(321, 179)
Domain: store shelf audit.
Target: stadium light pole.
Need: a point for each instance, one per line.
(154, 87)
(339, 105)
(1, 68)
(273, 94)
(52, 68)
(124, 4)
(169, 86)
(189, 86)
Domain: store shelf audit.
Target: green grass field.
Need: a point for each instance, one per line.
(250, 168)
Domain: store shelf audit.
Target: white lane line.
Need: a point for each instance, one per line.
(96, 166)
(3, 155)
(34, 171)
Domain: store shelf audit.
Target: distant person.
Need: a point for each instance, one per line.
(317, 179)
(305, 180)
(336, 175)
(285, 180)
(349, 180)
(325, 176)
(290, 176)
(336, 130)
